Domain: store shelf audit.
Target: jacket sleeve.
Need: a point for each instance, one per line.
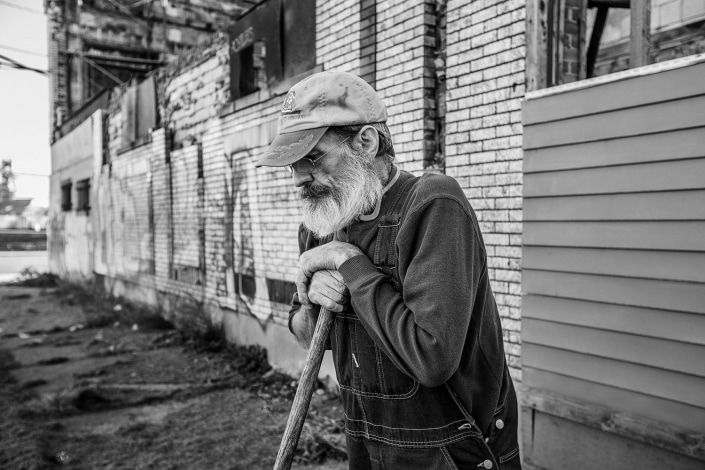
(303, 240)
(441, 258)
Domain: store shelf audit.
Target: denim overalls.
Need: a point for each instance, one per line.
(392, 421)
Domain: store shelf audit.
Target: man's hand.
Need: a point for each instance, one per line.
(303, 324)
(329, 256)
(328, 290)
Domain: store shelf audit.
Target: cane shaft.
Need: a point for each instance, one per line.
(302, 400)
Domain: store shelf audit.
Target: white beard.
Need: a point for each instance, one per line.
(354, 192)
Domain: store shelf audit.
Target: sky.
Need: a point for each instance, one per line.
(24, 98)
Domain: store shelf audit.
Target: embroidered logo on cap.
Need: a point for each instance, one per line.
(289, 103)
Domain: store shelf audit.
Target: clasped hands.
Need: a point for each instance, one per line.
(318, 280)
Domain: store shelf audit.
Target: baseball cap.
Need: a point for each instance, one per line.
(320, 101)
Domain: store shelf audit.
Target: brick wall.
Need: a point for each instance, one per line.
(401, 75)
(131, 250)
(57, 62)
(193, 89)
(485, 86)
(248, 220)
(338, 35)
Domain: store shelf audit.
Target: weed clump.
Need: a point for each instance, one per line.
(30, 277)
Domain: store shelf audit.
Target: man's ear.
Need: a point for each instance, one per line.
(368, 141)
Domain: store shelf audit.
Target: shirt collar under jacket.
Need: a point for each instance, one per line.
(375, 213)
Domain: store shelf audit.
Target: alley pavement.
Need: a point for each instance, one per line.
(90, 382)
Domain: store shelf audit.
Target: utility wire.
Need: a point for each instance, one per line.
(17, 49)
(18, 65)
(29, 174)
(14, 67)
(21, 7)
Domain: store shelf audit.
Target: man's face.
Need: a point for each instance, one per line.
(341, 187)
(328, 155)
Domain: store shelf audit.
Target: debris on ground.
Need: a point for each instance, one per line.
(84, 385)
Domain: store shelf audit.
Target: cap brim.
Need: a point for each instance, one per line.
(291, 147)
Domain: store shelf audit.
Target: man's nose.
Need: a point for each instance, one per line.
(301, 179)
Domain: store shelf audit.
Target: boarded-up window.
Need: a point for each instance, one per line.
(255, 49)
(274, 41)
(66, 196)
(299, 45)
(139, 108)
(83, 192)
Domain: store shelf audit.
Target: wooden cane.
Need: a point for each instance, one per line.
(299, 409)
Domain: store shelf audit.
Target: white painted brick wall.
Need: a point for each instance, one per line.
(485, 81)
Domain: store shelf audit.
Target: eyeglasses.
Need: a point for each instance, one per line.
(307, 165)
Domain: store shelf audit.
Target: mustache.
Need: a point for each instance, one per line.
(314, 191)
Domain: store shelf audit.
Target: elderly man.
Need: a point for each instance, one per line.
(417, 340)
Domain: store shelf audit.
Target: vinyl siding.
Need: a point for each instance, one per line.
(613, 274)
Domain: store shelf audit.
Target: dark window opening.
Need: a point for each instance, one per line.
(66, 196)
(99, 67)
(274, 41)
(299, 36)
(83, 194)
(579, 39)
(671, 31)
(248, 74)
(139, 107)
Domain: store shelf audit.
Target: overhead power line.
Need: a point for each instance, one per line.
(17, 49)
(15, 67)
(21, 7)
(30, 174)
(18, 65)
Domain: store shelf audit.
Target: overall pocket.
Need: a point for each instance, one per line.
(362, 367)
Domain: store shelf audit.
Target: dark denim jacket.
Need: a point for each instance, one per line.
(473, 414)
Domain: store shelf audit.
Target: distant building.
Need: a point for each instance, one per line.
(11, 209)
(95, 45)
(12, 213)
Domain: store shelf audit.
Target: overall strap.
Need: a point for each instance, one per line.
(385, 255)
(396, 208)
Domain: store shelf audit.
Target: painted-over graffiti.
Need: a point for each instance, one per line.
(187, 258)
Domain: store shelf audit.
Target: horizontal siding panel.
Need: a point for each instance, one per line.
(684, 327)
(669, 385)
(670, 205)
(674, 145)
(678, 236)
(634, 403)
(673, 265)
(662, 295)
(671, 115)
(652, 352)
(663, 86)
(648, 177)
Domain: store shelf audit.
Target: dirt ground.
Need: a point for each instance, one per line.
(88, 382)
